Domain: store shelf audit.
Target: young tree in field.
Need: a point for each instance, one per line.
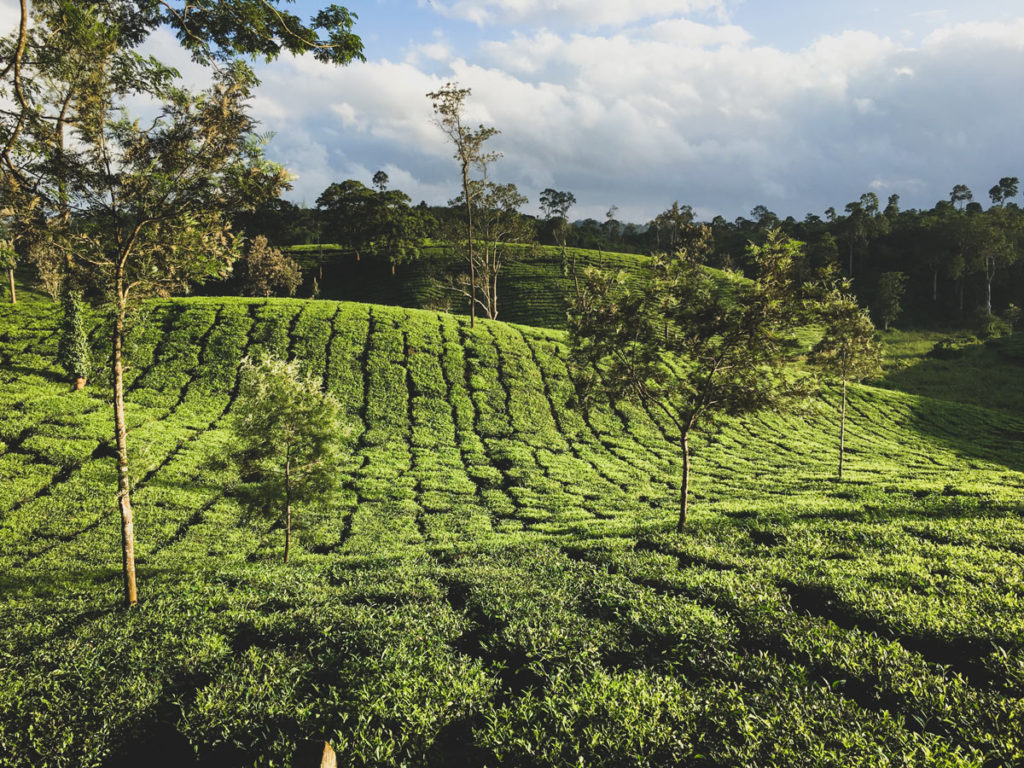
(288, 439)
(847, 350)
(449, 107)
(890, 293)
(266, 271)
(8, 261)
(686, 344)
(73, 352)
(140, 209)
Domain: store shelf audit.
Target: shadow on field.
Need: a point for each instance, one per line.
(971, 432)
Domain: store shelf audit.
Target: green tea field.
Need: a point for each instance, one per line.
(498, 584)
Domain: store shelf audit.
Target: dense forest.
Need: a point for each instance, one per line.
(958, 263)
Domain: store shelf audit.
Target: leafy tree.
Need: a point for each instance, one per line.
(449, 108)
(349, 214)
(890, 293)
(73, 352)
(688, 345)
(847, 350)
(1012, 315)
(555, 206)
(8, 261)
(398, 229)
(670, 226)
(501, 230)
(961, 195)
(1005, 190)
(266, 271)
(140, 210)
(380, 181)
(289, 439)
(996, 234)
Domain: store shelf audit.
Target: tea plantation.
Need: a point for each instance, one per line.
(497, 584)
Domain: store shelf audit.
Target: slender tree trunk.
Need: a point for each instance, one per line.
(684, 485)
(935, 285)
(851, 260)
(989, 274)
(494, 296)
(842, 431)
(469, 232)
(14, 295)
(124, 502)
(287, 507)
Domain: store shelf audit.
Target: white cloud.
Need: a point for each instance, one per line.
(581, 13)
(674, 110)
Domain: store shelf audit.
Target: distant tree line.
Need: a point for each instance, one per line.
(956, 263)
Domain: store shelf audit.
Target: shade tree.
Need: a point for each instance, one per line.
(140, 210)
(688, 345)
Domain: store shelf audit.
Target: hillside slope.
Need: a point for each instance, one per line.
(532, 290)
(496, 585)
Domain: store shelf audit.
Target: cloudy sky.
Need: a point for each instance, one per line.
(722, 104)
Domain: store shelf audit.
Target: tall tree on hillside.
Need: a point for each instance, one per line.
(555, 206)
(502, 232)
(140, 210)
(847, 350)
(961, 196)
(165, 188)
(348, 215)
(448, 104)
(1005, 190)
(688, 345)
(997, 236)
(398, 229)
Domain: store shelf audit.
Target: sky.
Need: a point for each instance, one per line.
(723, 105)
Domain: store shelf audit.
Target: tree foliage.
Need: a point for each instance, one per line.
(890, 292)
(139, 210)
(73, 352)
(448, 103)
(267, 272)
(847, 350)
(288, 440)
(687, 344)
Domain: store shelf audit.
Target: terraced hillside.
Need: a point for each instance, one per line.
(497, 585)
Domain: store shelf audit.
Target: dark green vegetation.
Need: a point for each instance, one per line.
(533, 290)
(959, 368)
(495, 585)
